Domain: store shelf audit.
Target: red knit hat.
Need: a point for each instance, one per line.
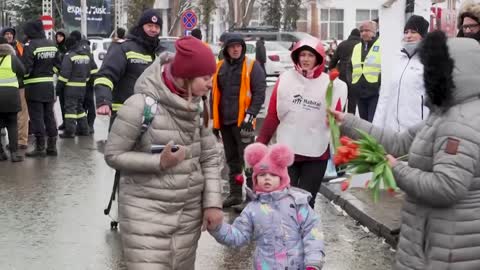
(192, 59)
(274, 159)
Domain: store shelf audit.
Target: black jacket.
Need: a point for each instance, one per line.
(229, 77)
(342, 58)
(363, 88)
(39, 58)
(261, 52)
(75, 71)
(124, 63)
(9, 96)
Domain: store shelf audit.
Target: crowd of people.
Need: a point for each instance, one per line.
(169, 111)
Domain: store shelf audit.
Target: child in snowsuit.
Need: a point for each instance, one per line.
(286, 230)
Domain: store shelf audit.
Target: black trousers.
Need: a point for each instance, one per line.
(89, 106)
(367, 107)
(42, 119)
(352, 100)
(75, 116)
(61, 98)
(234, 148)
(308, 175)
(9, 121)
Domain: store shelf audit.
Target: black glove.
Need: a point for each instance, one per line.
(216, 132)
(247, 128)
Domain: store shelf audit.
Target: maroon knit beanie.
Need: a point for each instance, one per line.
(192, 59)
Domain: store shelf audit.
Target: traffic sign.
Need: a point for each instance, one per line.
(189, 19)
(47, 21)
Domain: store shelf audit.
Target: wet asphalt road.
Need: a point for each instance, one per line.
(51, 217)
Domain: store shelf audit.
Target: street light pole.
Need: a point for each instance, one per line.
(83, 25)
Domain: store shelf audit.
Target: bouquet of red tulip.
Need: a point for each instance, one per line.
(366, 155)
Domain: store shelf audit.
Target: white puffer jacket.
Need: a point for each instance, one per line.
(401, 102)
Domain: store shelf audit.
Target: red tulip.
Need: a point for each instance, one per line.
(367, 183)
(334, 74)
(239, 179)
(345, 184)
(344, 140)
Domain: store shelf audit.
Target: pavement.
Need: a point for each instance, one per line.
(382, 218)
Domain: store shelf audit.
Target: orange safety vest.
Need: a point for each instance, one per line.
(19, 48)
(244, 99)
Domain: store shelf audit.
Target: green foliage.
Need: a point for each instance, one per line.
(291, 14)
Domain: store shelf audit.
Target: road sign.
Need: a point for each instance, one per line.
(47, 21)
(189, 19)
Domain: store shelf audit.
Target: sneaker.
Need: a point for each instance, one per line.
(3, 156)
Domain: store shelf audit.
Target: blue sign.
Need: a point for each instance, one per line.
(189, 19)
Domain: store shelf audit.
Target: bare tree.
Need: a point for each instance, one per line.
(207, 6)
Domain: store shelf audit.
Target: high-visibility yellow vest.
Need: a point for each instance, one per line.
(371, 68)
(8, 78)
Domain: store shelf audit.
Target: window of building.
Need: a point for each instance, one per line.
(331, 24)
(366, 15)
(303, 14)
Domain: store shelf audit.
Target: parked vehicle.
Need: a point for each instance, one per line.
(278, 57)
(99, 48)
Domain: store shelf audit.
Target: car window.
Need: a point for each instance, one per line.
(106, 45)
(169, 45)
(288, 37)
(274, 46)
(250, 48)
(94, 46)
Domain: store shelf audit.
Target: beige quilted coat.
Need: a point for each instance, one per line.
(161, 210)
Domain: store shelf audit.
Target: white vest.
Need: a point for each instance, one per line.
(302, 111)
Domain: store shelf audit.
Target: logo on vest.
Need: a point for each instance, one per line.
(307, 104)
(376, 48)
(297, 99)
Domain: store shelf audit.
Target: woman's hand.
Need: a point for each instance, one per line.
(391, 160)
(212, 218)
(169, 159)
(339, 116)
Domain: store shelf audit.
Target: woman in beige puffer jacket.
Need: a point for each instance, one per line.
(164, 196)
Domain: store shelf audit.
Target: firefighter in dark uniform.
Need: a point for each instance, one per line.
(39, 58)
(89, 101)
(72, 81)
(60, 39)
(125, 62)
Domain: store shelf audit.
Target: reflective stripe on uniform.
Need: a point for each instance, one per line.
(77, 84)
(62, 79)
(45, 49)
(116, 106)
(75, 116)
(104, 81)
(131, 55)
(55, 69)
(94, 71)
(79, 57)
(38, 80)
(12, 82)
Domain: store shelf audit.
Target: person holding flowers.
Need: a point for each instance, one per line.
(440, 216)
(297, 112)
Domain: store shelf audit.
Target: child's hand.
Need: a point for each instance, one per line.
(212, 218)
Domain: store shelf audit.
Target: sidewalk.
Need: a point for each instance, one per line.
(382, 218)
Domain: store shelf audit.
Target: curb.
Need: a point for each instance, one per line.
(387, 226)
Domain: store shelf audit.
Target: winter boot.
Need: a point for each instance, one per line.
(67, 135)
(16, 157)
(61, 127)
(82, 127)
(39, 150)
(52, 146)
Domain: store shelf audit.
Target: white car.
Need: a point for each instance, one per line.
(278, 57)
(99, 48)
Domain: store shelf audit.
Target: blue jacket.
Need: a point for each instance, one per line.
(286, 231)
